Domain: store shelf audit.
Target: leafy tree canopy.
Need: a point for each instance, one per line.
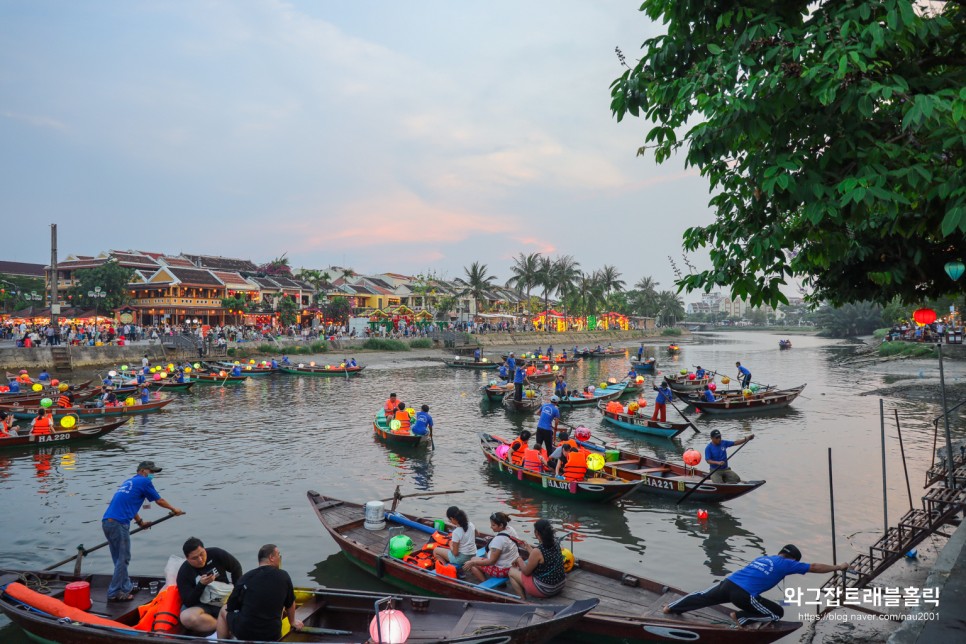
(338, 309)
(832, 134)
(113, 280)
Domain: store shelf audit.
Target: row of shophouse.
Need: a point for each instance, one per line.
(185, 288)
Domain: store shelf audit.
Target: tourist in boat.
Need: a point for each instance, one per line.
(708, 395)
(573, 465)
(116, 524)
(108, 381)
(502, 371)
(744, 375)
(664, 396)
(547, 424)
(501, 552)
(66, 399)
(716, 455)
(640, 353)
(285, 361)
(256, 614)
(274, 363)
(109, 399)
(236, 370)
(201, 567)
(403, 417)
(13, 386)
(745, 587)
(518, 448)
(352, 363)
(179, 378)
(390, 407)
(560, 386)
(542, 573)
(462, 542)
(423, 423)
(145, 396)
(44, 377)
(5, 425)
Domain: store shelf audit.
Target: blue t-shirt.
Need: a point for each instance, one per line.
(236, 371)
(274, 363)
(129, 497)
(140, 379)
(145, 396)
(14, 387)
(548, 412)
(518, 376)
(511, 364)
(663, 396)
(503, 373)
(764, 573)
(718, 452)
(43, 376)
(477, 354)
(560, 388)
(632, 374)
(744, 371)
(699, 373)
(709, 395)
(421, 425)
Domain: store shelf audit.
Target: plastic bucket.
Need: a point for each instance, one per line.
(375, 516)
(78, 595)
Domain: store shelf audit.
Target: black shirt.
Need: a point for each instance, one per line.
(255, 606)
(191, 589)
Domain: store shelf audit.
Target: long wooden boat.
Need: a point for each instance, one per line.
(83, 431)
(664, 478)
(598, 487)
(381, 426)
(329, 615)
(217, 379)
(682, 383)
(604, 352)
(641, 424)
(34, 398)
(469, 363)
(526, 404)
(630, 603)
(610, 392)
(322, 370)
(496, 392)
(27, 413)
(547, 376)
(736, 403)
(558, 362)
(248, 369)
(168, 384)
(633, 387)
(648, 365)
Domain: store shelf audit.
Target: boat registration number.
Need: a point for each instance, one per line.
(51, 438)
(664, 484)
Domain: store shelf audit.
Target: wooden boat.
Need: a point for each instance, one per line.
(630, 603)
(525, 404)
(547, 376)
(469, 363)
(648, 365)
(610, 392)
(673, 349)
(641, 424)
(82, 431)
(736, 403)
(329, 615)
(496, 392)
(603, 352)
(381, 426)
(217, 379)
(559, 362)
(34, 397)
(27, 413)
(322, 370)
(247, 369)
(784, 344)
(664, 478)
(633, 387)
(598, 487)
(168, 384)
(682, 384)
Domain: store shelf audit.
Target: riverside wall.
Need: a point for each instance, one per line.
(34, 358)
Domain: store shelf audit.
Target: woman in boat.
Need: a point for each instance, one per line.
(42, 424)
(462, 544)
(5, 425)
(403, 417)
(518, 448)
(542, 573)
(501, 551)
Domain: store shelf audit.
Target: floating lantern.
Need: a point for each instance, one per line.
(236, 363)
(157, 376)
(702, 515)
(251, 362)
(389, 626)
(54, 382)
(692, 457)
(713, 387)
(67, 422)
(924, 316)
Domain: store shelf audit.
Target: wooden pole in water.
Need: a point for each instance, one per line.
(831, 501)
(885, 497)
(903, 451)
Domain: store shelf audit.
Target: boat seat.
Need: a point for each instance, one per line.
(481, 552)
(493, 582)
(630, 461)
(652, 470)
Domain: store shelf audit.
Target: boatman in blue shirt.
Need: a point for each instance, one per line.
(716, 455)
(744, 374)
(708, 395)
(640, 353)
(117, 525)
(519, 377)
(511, 364)
(423, 423)
(744, 587)
(14, 386)
(44, 377)
(699, 372)
(547, 424)
(664, 396)
(236, 370)
(274, 363)
(503, 372)
(477, 354)
(560, 387)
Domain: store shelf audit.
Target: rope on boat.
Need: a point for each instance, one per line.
(33, 582)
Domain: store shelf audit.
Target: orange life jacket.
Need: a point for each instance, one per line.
(576, 466)
(42, 426)
(424, 559)
(390, 407)
(517, 452)
(161, 614)
(531, 370)
(64, 402)
(531, 460)
(446, 570)
(403, 417)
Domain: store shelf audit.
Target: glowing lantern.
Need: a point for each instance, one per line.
(725, 380)
(248, 368)
(691, 376)
(123, 367)
(236, 363)
(713, 387)
(924, 316)
(502, 451)
(568, 559)
(37, 387)
(62, 387)
(556, 367)
(251, 362)
(157, 376)
(46, 403)
(222, 374)
(163, 375)
(389, 627)
(394, 424)
(54, 382)
(187, 369)
(955, 269)
(692, 457)
(112, 373)
(595, 462)
(639, 379)
(129, 401)
(170, 367)
(603, 385)
(196, 365)
(684, 372)
(702, 515)
(67, 422)
(582, 434)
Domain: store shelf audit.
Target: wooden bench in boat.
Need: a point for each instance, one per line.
(652, 470)
(630, 461)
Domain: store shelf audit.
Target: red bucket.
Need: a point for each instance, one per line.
(78, 595)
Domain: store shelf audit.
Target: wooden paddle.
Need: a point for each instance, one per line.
(688, 420)
(707, 476)
(397, 497)
(432, 445)
(83, 552)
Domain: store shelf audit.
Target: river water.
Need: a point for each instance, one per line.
(239, 460)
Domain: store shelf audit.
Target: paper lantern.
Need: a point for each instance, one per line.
(582, 434)
(568, 559)
(702, 515)
(595, 462)
(411, 412)
(62, 387)
(639, 379)
(691, 376)
(924, 316)
(129, 401)
(222, 374)
(251, 362)
(556, 367)
(23, 372)
(170, 367)
(187, 369)
(394, 424)
(955, 269)
(502, 451)
(725, 380)
(54, 382)
(603, 385)
(248, 368)
(400, 546)
(37, 387)
(123, 367)
(196, 365)
(389, 627)
(67, 422)
(236, 363)
(684, 372)
(157, 376)
(692, 457)
(46, 403)
(754, 388)
(712, 386)
(163, 374)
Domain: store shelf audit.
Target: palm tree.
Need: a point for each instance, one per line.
(647, 298)
(526, 273)
(565, 272)
(587, 292)
(610, 279)
(671, 308)
(545, 279)
(477, 282)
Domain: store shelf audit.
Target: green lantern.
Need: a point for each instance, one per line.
(955, 269)
(400, 546)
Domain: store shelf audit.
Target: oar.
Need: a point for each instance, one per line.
(432, 445)
(688, 420)
(707, 476)
(83, 552)
(397, 497)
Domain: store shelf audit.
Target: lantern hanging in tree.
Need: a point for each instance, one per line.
(924, 316)
(955, 269)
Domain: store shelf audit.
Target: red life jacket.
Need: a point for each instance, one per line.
(576, 466)
(531, 460)
(64, 402)
(42, 426)
(517, 452)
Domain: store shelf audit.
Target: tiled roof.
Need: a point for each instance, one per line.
(286, 282)
(233, 280)
(194, 276)
(265, 283)
(22, 269)
(125, 258)
(177, 261)
(221, 263)
(380, 283)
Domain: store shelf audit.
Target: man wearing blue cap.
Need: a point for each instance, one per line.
(744, 587)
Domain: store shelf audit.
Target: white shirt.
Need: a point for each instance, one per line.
(508, 549)
(466, 540)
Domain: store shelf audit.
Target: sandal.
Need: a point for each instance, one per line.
(121, 598)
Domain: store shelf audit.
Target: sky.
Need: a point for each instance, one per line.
(407, 137)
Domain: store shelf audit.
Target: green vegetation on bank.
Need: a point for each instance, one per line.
(907, 350)
(421, 343)
(385, 344)
(672, 331)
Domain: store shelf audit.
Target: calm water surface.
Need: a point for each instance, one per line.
(239, 460)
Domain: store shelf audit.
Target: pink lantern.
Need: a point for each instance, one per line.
(502, 451)
(582, 433)
(389, 627)
(157, 376)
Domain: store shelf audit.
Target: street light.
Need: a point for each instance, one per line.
(96, 294)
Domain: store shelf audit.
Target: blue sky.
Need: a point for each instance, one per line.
(385, 136)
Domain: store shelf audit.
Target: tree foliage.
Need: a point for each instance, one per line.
(478, 282)
(113, 280)
(338, 309)
(832, 134)
(860, 318)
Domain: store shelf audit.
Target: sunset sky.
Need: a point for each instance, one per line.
(386, 136)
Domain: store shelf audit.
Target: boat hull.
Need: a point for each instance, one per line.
(21, 413)
(322, 371)
(77, 433)
(381, 427)
(765, 402)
